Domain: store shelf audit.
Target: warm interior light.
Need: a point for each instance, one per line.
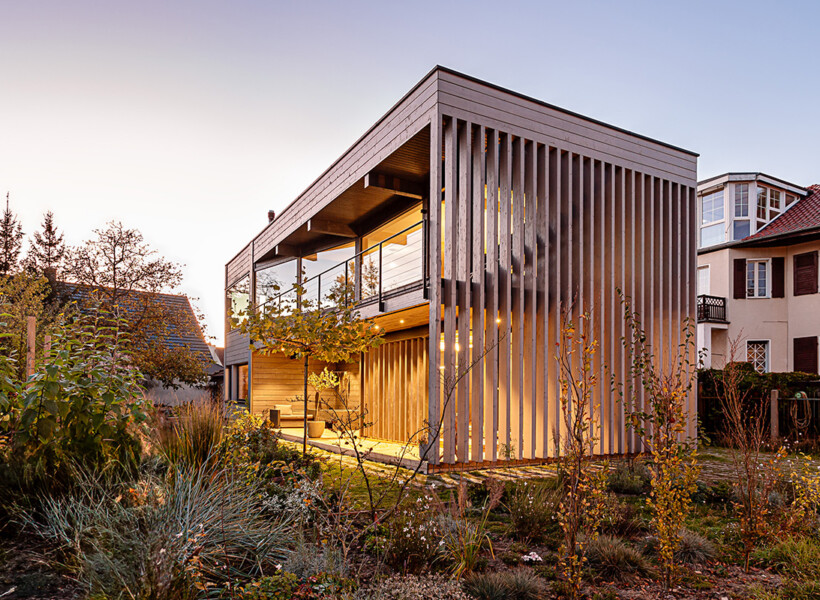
(498, 320)
(401, 321)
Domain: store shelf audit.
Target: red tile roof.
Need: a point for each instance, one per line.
(802, 216)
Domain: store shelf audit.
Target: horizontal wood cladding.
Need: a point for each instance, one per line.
(236, 348)
(239, 266)
(276, 379)
(527, 118)
(395, 383)
(532, 228)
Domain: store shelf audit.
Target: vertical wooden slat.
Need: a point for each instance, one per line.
(492, 276)
(463, 286)
(541, 292)
(530, 348)
(624, 440)
(504, 288)
(517, 307)
(478, 281)
(434, 290)
(609, 344)
(599, 246)
(450, 274)
(558, 224)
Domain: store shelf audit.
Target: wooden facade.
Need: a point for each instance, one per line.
(536, 209)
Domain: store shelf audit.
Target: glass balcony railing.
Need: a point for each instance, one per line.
(380, 270)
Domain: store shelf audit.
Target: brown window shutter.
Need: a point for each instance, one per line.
(805, 354)
(805, 273)
(778, 277)
(739, 280)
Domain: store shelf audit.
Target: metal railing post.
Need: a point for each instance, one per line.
(381, 302)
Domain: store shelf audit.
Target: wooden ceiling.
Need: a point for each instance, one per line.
(363, 208)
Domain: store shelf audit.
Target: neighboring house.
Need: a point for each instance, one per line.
(182, 331)
(757, 272)
(534, 209)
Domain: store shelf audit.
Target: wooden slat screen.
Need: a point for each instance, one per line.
(805, 273)
(395, 383)
(528, 228)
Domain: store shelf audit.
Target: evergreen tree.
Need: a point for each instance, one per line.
(11, 241)
(47, 250)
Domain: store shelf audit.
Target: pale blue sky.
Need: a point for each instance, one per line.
(189, 120)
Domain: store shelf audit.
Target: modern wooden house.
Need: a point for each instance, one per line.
(468, 216)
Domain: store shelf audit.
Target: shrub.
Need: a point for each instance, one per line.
(285, 585)
(411, 587)
(622, 520)
(797, 557)
(193, 438)
(414, 537)
(532, 509)
(519, 584)
(693, 548)
(612, 558)
(164, 538)
(629, 478)
(81, 408)
(308, 561)
(464, 542)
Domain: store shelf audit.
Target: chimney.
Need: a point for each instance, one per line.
(271, 216)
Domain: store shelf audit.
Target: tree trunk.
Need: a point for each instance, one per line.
(305, 408)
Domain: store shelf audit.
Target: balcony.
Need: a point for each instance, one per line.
(391, 267)
(711, 309)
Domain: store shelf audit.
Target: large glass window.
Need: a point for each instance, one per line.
(239, 297)
(757, 280)
(401, 254)
(325, 271)
(762, 204)
(741, 229)
(712, 234)
(741, 200)
(712, 207)
(274, 280)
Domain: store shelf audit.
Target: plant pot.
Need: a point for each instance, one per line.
(316, 429)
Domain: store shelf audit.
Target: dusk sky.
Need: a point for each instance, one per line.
(189, 121)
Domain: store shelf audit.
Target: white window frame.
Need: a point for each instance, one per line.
(723, 200)
(739, 188)
(701, 291)
(767, 357)
(756, 277)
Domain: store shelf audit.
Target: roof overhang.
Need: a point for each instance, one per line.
(708, 185)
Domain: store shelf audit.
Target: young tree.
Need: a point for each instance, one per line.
(127, 276)
(325, 333)
(746, 428)
(47, 249)
(11, 240)
(657, 408)
(584, 490)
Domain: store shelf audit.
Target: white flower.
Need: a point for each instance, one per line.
(532, 557)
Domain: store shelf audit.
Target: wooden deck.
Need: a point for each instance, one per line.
(391, 453)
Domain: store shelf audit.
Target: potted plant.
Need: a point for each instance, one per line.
(316, 427)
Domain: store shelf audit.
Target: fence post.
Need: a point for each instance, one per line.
(31, 326)
(774, 415)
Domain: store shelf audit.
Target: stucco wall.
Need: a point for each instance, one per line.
(778, 320)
